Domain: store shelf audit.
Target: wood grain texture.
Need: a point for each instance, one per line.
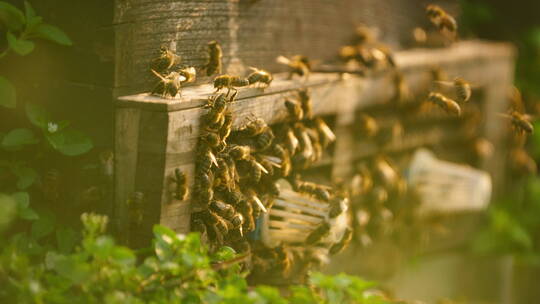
(250, 34)
(169, 128)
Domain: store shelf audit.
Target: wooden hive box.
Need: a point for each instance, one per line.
(155, 136)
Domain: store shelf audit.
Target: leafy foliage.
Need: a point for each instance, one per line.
(92, 268)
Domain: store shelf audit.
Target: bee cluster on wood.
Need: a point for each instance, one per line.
(237, 170)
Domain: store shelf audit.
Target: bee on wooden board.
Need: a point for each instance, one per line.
(226, 127)
(205, 160)
(294, 109)
(520, 122)
(253, 128)
(260, 77)
(368, 126)
(445, 103)
(343, 242)
(239, 152)
(298, 65)
(180, 182)
(230, 83)
(320, 232)
(166, 60)
(214, 58)
(168, 86)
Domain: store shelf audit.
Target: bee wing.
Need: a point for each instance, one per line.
(283, 60)
(504, 115)
(263, 169)
(213, 158)
(444, 83)
(259, 203)
(275, 161)
(327, 131)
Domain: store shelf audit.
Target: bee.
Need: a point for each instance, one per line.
(463, 89)
(441, 19)
(520, 122)
(226, 128)
(211, 139)
(365, 56)
(239, 152)
(199, 226)
(205, 160)
(298, 65)
(188, 74)
(284, 157)
(245, 208)
(264, 140)
(168, 86)
(338, 205)
(229, 82)
(253, 128)
(214, 58)
(223, 174)
(385, 172)
(106, 159)
(166, 60)
(50, 185)
(316, 235)
(135, 208)
(318, 191)
(402, 92)
(368, 125)
(251, 195)
(305, 101)
(291, 141)
(326, 134)
(364, 34)
(180, 181)
(348, 53)
(294, 109)
(447, 104)
(223, 209)
(205, 196)
(522, 162)
(284, 259)
(255, 170)
(383, 55)
(260, 77)
(343, 243)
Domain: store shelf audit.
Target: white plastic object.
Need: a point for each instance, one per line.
(294, 216)
(446, 187)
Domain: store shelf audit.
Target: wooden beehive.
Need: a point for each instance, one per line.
(154, 136)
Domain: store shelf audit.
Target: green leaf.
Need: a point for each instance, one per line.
(123, 256)
(17, 138)
(70, 267)
(26, 176)
(20, 46)
(8, 97)
(224, 253)
(66, 238)
(11, 17)
(51, 33)
(43, 226)
(31, 18)
(23, 210)
(8, 207)
(70, 142)
(37, 115)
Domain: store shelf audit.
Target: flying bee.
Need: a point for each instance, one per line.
(298, 65)
(385, 172)
(230, 83)
(445, 103)
(316, 235)
(462, 88)
(520, 122)
(264, 140)
(180, 181)
(326, 134)
(343, 243)
(169, 85)
(368, 125)
(294, 109)
(166, 60)
(522, 162)
(260, 77)
(214, 58)
(305, 101)
(239, 152)
(441, 19)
